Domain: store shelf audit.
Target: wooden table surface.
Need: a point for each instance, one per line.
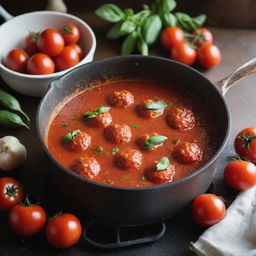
(237, 46)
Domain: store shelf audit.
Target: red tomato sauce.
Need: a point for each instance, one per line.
(70, 117)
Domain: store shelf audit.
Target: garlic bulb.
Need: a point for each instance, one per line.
(12, 153)
(56, 5)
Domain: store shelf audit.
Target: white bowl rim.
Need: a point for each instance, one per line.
(55, 74)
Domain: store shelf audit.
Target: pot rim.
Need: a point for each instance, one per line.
(159, 186)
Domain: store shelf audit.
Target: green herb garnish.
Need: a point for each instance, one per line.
(175, 142)
(99, 149)
(133, 125)
(93, 114)
(115, 150)
(163, 164)
(69, 136)
(156, 105)
(65, 125)
(153, 141)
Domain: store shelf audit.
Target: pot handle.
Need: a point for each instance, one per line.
(6, 15)
(244, 71)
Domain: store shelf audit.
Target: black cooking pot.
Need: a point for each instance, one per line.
(137, 206)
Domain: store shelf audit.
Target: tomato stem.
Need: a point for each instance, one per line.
(247, 139)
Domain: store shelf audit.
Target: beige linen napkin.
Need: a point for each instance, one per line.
(235, 235)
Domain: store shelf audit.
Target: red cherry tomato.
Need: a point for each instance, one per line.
(30, 43)
(63, 231)
(240, 175)
(79, 50)
(208, 55)
(204, 36)
(50, 42)
(70, 34)
(11, 193)
(171, 36)
(16, 60)
(66, 59)
(27, 221)
(208, 209)
(40, 64)
(183, 53)
(245, 144)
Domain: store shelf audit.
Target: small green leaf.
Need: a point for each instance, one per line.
(199, 20)
(133, 125)
(145, 7)
(65, 125)
(175, 142)
(169, 20)
(128, 12)
(127, 27)
(99, 149)
(153, 141)
(115, 150)
(93, 114)
(156, 105)
(101, 110)
(166, 6)
(141, 16)
(163, 164)
(151, 29)
(115, 31)
(129, 43)
(110, 12)
(69, 136)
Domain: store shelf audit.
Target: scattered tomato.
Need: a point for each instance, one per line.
(66, 59)
(171, 36)
(204, 36)
(30, 43)
(27, 221)
(208, 55)
(50, 42)
(245, 143)
(240, 175)
(40, 64)
(63, 231)
(79, 50)
(208, 209)
(70, 34)
(11, 193)
(183, 53)
(16, 60)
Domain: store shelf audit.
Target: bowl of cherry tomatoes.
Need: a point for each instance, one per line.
(38, 47)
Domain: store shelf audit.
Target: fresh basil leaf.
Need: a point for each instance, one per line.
(142, 47)
(133, 125)
(145, 7)
(183, 21)
(140, 16)
(156, 105)
(199, 20)
(115, 31)
(101, 110)
(99, 149)
(115, 150)
(129, 43)
(128, 12)
(127, 27)
(163, 164)
(169, 20)
(110, 12)
(151, 29)
(166, 6)
(69, 136)
(153, 141)
(93, 114)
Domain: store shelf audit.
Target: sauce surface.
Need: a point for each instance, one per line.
(71, 117)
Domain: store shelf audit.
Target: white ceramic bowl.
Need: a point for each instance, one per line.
(12, 34)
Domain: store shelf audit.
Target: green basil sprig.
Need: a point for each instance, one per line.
(115, 150)
(142, 29)
(93, 114)
(11, 120)
(163, 164)
(71, 135)
(153, 141)
(156, 105)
